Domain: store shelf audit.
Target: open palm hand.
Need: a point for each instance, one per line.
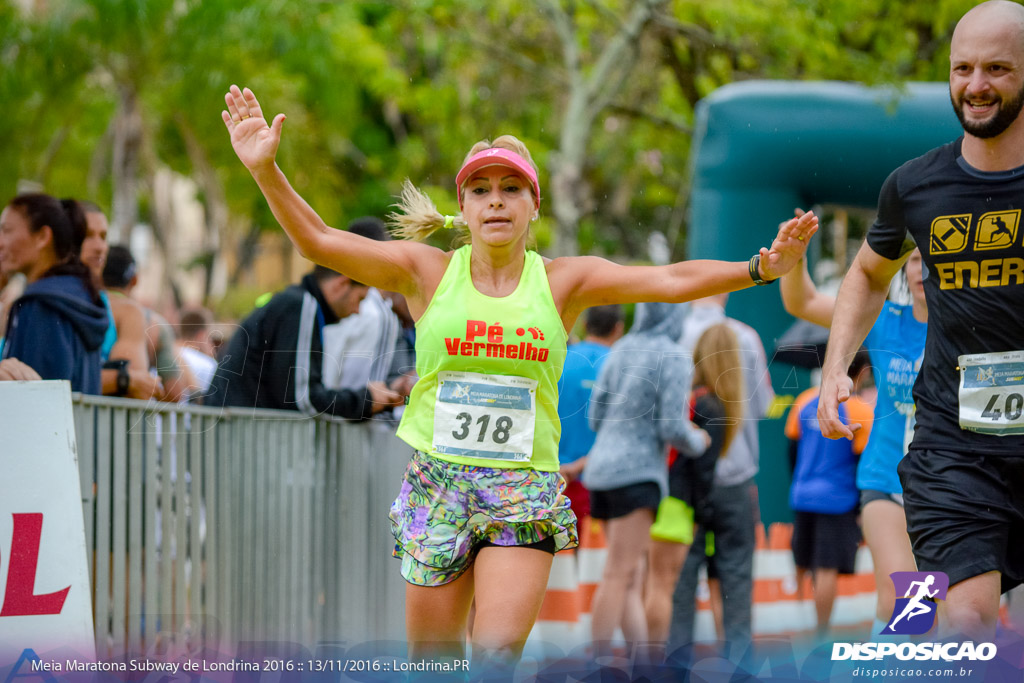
(789, 245)
(253, 140)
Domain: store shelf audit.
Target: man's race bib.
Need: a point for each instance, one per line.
(485, 416)
(992, 392)
(907, 410)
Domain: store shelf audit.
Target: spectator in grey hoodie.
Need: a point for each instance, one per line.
(638, 408)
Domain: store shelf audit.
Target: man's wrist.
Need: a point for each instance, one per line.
(833, 372)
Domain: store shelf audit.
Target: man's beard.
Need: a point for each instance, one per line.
(1005, 115)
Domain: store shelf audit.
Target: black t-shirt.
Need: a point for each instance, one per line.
(968, 225)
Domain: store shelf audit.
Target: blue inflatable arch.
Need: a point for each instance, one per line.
(762, 148)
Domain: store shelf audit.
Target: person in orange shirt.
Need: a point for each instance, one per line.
(824, 495)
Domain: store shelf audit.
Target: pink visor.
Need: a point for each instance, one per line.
(496, 156)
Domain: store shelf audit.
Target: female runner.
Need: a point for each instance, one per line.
(480, 512)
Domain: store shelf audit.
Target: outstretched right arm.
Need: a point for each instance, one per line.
(399, 266)
(860, 300)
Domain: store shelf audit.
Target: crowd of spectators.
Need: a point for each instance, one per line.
(68, 312)
(661, 452)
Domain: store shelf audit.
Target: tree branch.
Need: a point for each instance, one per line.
(603, 9)
(609, 89)
(215, 205)
(46, 161)
(661, 121)
(621, 47)
(497, 48)
(685, 75)
(692, 32)
(566, 34)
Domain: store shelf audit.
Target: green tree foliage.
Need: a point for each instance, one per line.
(378, 91)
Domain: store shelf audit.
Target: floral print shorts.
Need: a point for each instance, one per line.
(444, 511)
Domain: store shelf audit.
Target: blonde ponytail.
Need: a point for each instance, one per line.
(417, 218)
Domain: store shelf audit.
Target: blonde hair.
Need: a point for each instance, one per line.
(417, 218)
(716, 361)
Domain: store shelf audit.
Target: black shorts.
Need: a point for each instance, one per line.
(546, 545)
(822, 541)
(965, 513)
(870, 495)
(623, 500)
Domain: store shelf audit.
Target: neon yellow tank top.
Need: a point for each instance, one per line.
(489, 369)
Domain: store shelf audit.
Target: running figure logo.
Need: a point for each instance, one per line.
(997, 230)
(914, 613)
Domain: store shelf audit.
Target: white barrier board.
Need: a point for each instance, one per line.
(45, 598)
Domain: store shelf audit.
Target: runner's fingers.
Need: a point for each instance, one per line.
(839, 428)
(797, 212)
(240, 102)
(833, 428)
(787, 228)
(803, 222)
(236, 100)
(251, 103)
(806, 225)
(229, 100)
(828, 417)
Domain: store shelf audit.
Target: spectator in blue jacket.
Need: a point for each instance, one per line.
(58, 324)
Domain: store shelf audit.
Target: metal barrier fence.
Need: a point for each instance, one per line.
(208, 528)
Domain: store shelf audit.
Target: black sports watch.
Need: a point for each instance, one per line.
(123, 378)
(754, 268)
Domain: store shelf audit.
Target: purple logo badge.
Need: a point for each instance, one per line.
(914, 612)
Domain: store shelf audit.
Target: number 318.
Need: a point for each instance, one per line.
(501, 427)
